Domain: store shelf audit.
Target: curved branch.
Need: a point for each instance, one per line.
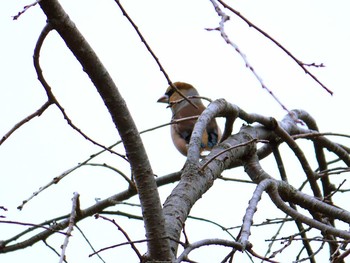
(299, 225)
(250, 211)
(217, 108)
(279, 189)
(141, 169)
(96, 208)
(327, 186)
(276, 198)
(51, 97)
(301, 64)
(302, 159)
(208, 242)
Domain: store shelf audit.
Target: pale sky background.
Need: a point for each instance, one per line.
(314, 31)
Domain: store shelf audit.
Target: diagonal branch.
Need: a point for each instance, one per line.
(221, 29)
(72, 220)
(196, 181)
(152, 53)
(51, 97)
(124, 233)
(141, 169)
(38, 112)
(300, 63)
(57, 224)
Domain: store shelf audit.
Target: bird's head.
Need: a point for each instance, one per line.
(171, 96)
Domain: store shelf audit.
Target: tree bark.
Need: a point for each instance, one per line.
(158, 246)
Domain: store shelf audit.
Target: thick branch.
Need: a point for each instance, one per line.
(195, 181)
(147, 189)
(60, 225)
(279, 189)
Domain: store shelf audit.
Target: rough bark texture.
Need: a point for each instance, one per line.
(158, 247)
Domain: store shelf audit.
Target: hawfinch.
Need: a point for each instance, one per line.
(181, 131)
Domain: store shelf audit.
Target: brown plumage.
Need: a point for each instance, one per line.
(181, 132)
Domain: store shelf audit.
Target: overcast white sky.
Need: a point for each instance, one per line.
(314, 31)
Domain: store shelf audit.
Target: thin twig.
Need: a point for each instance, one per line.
(301, 64)
(53, 249)
(229, 149)
(131, 183)
(340, 258)
(253, 253)
(214, 223)
(37, 113)
(208, 242)
(89, 243)
(124, 233)
(51, 97)
(32, 225)
(72, 220)
(143, 40)
(121, 244)
(25, 8)
(221, 29)
(58, 178)
(234, 180)
(318, 134)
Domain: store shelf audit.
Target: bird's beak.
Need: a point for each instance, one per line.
(164, 99)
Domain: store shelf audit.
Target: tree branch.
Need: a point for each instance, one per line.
(300, 63)
(141, 169)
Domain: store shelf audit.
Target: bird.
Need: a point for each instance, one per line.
(181, 132)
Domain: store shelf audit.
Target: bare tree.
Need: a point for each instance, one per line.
(321, 220)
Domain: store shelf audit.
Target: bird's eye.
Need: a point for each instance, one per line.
(170, 92)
